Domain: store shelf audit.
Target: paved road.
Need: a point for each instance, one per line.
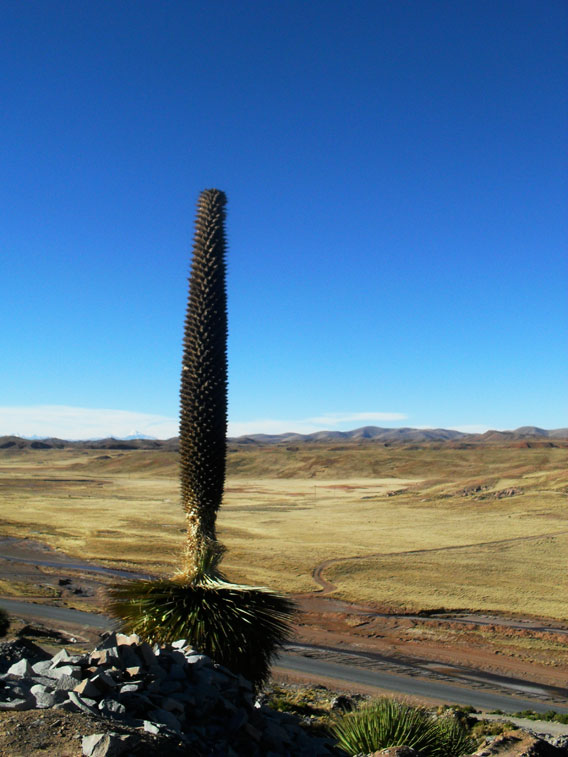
(60, 614)
(412, 686)
(400, 684)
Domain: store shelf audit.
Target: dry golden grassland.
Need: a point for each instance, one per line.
(419, 540)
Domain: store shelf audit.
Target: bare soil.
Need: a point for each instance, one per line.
(496, 648)
(55, 733)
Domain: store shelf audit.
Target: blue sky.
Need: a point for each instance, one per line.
(396, 181)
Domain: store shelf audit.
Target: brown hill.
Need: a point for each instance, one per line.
(523, 436)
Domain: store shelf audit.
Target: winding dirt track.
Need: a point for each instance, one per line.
(327, 587)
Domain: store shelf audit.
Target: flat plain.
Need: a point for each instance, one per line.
(402, 528)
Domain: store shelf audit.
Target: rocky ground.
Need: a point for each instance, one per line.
(127, 698)
(139, 699)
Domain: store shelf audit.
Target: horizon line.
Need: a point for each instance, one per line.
(144, 437)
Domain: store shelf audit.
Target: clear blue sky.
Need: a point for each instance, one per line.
(396, 174)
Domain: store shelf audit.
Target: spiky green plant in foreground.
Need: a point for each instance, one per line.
(388, 723)
(240, 627)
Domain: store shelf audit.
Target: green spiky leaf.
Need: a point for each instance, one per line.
(241, 627)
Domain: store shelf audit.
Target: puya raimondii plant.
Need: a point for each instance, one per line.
(241, 627)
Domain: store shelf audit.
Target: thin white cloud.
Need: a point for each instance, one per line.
(67, 422)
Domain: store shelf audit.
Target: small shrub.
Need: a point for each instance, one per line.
(299, 700)
(549, 715)
(528, 715)
(453, 738)
(388, 723)
(484, 728)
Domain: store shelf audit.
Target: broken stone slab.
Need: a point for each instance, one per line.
(238, 720)
(127, 639)
(22, 669)
(61, 656)
(112, 708)
(65, 683)
(109, 655)
(42, 667)
(274, 735)
(221, 669)
(67, 706)
(43, 696)
(151, 727)
(173, 705)
(44, 681)
(109, 744)
(134, 672)
(12, 651)
(127, 657)
(198, 659)
(166, 718)
(177, 673)
(145, 652)
(108, 641)
(84, 704)
(15, 705)
(137, 702)
(164, 686)
(87, 688)
(157, 672)
(176, 655)
(103, 681)
(179, 644)
(73, 671)
(74, 659)
(18, 689)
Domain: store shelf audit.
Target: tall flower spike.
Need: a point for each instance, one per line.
(241, 627)
(203, 395)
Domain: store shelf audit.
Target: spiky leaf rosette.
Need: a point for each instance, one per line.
(240, 627)
(389, 723)
(386, 723)
(203, 395)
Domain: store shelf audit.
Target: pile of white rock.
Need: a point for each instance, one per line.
(170, 690)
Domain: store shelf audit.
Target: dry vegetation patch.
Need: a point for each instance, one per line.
(287, 510)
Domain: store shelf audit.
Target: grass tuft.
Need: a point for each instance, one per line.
(389, 723)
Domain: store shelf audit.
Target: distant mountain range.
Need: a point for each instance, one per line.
(404, 435)
(523, 436)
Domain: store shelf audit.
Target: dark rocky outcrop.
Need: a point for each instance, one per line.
(171, 690)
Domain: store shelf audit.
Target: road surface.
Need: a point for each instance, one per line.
(411, 685)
